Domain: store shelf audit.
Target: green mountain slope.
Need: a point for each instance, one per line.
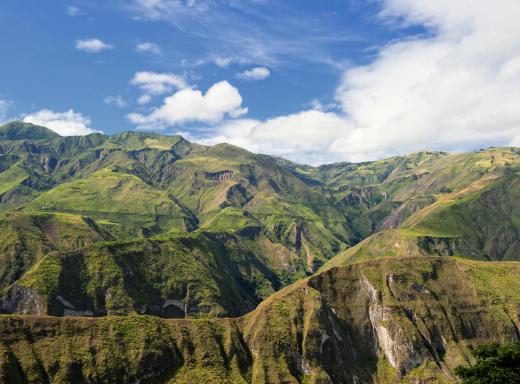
(26, 237)
(383, 194)
(142, 188)
(142, 245)
(480, 221)
(398, 321)
(198, 274)
(119, 201)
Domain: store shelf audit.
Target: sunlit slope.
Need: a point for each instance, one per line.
(227, 187)
(480, 221)
(117, 199)
(383, 194)
(136, 188)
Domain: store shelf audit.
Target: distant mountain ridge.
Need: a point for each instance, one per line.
(293, 218)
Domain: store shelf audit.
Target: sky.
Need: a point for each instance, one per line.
(314, 81)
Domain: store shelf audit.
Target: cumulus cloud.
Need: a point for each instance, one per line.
(148, 48)
(92, 45)
(158, 83)
(258, 73)
(69, 123)
(305, 136)
(117, 100)
(455, 90)
(144, 99)
(456, 87)
(222, 62)
(188, 104)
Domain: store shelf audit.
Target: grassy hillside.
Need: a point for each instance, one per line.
(480, 221)
(26, 237)
(197, 274)
(398, 321)
(384, 272)
(141, 188)
(117, 200)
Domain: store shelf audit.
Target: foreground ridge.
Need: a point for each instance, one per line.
(410, 319)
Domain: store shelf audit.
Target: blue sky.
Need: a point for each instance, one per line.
(323, 77)
(304, 44)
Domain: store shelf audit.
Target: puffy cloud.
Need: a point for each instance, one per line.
(67, 123)
(305, 136)
(456, 87)
(258, 73)
(148, 48)
(144, 99)
(222, 62)
(192, 105)
(158, 83)
(117, 100)
(92, 45)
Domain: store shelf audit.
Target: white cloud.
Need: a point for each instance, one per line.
(148, 48)
(515, 142)
(117, 100)
(192, 105)
(222, 62)
(454, 88)
(251, 32)
(67, 123)
(73, 11)
(317, 105)
(305, 136)
(158, 83)
(157, 9)
(144, 99)
(92, 45)
(258, 73)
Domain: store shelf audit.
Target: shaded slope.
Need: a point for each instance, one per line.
(184, 275)
(28, 236)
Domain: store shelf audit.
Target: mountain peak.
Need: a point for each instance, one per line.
(18, 130)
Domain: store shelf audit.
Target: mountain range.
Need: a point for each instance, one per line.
(145, 258)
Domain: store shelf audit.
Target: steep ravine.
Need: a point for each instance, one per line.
(409, 320)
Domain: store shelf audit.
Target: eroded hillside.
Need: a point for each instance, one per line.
(403, 320)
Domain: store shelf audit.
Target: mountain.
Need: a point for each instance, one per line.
(406, 320)
(141, 257)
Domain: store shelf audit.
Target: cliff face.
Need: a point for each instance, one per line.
(407, 320)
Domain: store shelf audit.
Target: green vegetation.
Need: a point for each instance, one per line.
(495, 364)
(389, 271)
(402, 320)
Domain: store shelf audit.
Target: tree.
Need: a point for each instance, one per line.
(495, 364)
